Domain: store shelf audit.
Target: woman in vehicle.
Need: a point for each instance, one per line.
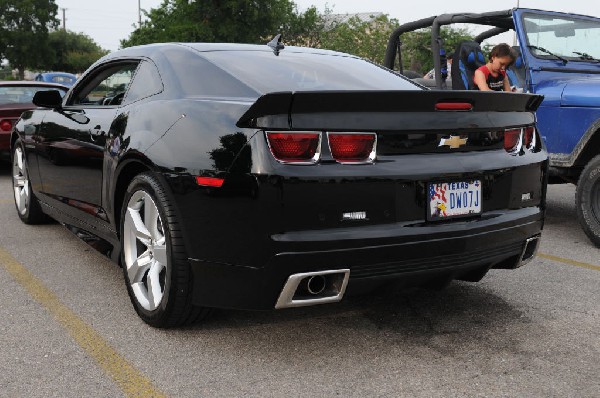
(492, 75)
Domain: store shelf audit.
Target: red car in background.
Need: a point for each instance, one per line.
(15, 98)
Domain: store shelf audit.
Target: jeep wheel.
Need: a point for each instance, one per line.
(588, 200)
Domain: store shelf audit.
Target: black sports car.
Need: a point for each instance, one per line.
(256, 177)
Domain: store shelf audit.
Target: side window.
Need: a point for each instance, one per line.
(107, 87)
(146, 82)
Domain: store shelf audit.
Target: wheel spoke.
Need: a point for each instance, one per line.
(19, 156)
(160, 254)
(139, 229)
(151, 217)
(139, 267)
(155, 292)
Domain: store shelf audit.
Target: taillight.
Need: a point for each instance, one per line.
(6, 125)
(352, 147)
(529, 137)
(295, 147)
(512, 140)
(515, 140)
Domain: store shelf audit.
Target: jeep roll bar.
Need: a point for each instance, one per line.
(501, 20)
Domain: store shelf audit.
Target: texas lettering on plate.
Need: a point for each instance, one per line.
(451, 199)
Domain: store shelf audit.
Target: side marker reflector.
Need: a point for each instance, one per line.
(209, 181)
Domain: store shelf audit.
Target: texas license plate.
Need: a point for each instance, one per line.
(454, 199)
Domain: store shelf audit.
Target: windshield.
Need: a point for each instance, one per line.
(571, 38)
(22, 94)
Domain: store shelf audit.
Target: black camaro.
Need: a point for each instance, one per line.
(246, 176)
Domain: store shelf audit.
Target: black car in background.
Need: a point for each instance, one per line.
(246, 176)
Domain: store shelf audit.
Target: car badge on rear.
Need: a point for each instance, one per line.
(453, 142)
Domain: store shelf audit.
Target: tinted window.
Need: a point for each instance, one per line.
(197, 76)
(291, 71)
(146, 82)
(106, 87)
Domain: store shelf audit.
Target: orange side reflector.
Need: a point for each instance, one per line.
(209, 181)
(453, 106)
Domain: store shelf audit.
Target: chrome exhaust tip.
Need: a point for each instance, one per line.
(529, 250)
(311, 288)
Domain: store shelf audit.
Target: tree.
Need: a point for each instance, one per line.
(366, 39)
(72, 52)
(416, 46)
(24, 26)
(235, 21)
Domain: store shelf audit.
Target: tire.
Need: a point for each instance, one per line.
(27, 205)
(588, 200)
(155, 262)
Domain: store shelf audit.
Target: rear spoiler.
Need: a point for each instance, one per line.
(383, 110)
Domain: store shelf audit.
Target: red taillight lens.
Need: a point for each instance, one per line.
(352, 148)
(296, 147)
(6, 125)
(512, 139)
(529, 137)
(210, 181)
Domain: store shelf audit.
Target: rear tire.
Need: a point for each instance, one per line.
(27, 205)
(588, 200)
(155, 262)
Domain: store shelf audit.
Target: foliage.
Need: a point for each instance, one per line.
(416, 46)
(236, 21)
(72, 52)
(366, 39)
(24, 26)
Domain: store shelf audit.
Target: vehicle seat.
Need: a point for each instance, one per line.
(468, 56)
(516, 72)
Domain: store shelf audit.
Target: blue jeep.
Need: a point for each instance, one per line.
(558, 56)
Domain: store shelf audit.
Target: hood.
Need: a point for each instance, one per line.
(579, 91)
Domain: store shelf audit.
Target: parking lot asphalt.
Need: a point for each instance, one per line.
(68, 329)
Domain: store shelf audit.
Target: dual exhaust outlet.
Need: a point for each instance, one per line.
(312, 288)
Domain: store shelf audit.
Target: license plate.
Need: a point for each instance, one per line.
(454, 199)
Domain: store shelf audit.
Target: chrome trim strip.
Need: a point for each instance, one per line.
(286, 297)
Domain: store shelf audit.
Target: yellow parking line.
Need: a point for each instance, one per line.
(132, 382)
(569, 261)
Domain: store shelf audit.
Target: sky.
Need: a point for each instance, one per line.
(110, 21)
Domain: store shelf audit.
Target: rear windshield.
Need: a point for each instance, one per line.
(290, 71)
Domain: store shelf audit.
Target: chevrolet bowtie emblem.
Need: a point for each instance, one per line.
(453, 142)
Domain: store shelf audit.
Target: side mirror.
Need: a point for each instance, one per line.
(48, 99)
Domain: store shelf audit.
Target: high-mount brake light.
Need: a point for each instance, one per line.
(353, 147)
(213, 182)
(297, 147)
(6, 125)
(453, 106)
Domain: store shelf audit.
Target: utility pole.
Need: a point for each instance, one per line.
(64, 19)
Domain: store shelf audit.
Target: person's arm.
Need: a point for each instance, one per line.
(507, 84)
(480, 81)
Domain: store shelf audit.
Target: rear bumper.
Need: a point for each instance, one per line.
(4, 143)
(374, 256)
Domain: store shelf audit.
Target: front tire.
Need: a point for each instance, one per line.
(155, 263)
(588, 200)
(27, 205)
